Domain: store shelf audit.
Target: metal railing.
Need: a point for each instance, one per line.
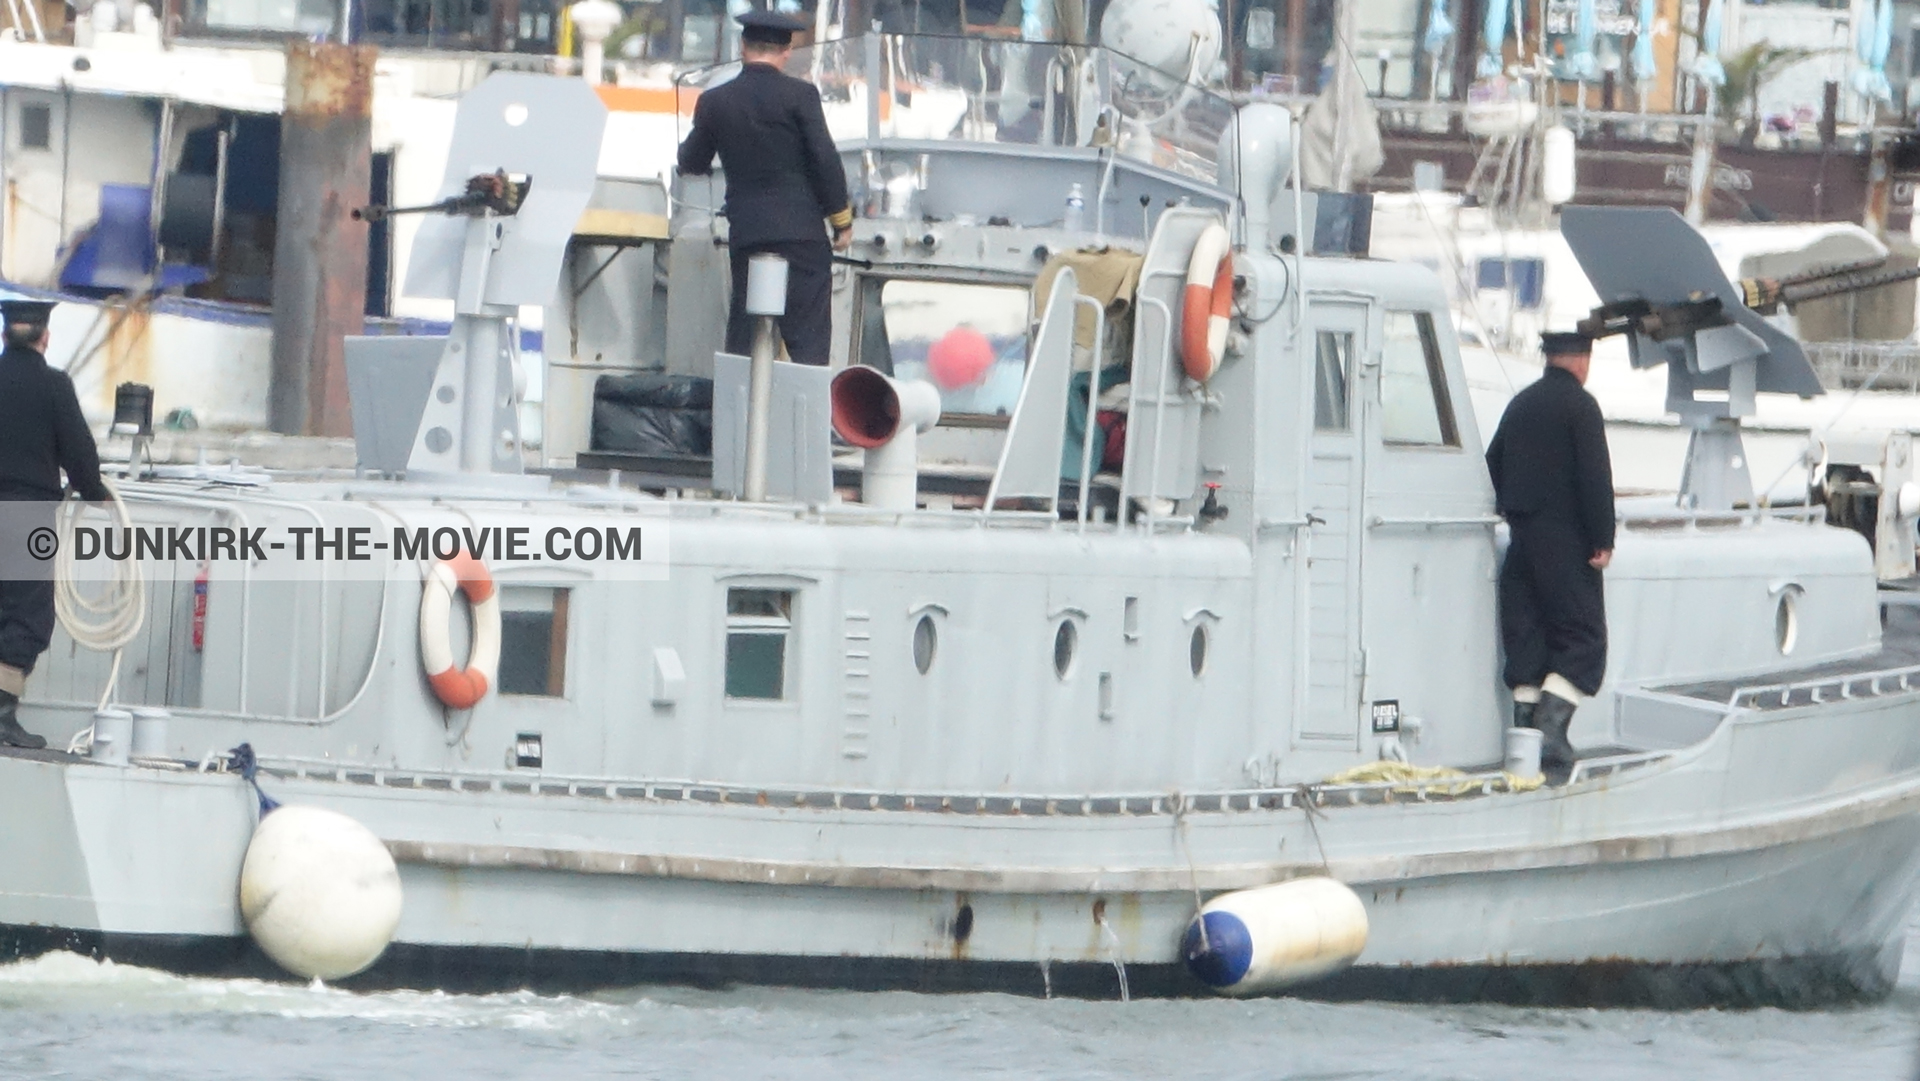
(1854, 365)
(1834, 688)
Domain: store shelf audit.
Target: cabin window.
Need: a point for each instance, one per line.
(1333, 369)
(36, 126)
(1066, 639)
(926, 642)
(969, 340)
(759, 622)
(1414, 405)
(533, 641)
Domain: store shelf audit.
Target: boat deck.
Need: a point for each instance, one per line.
(1893, 668)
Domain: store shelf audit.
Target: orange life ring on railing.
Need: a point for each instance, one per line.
(1208, 304)
(460, 687)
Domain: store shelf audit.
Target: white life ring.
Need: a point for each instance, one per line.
(1208, 304)
(460, 687)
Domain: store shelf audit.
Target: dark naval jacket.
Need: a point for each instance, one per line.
(1549, 459)
(783, 173)
(42, 432)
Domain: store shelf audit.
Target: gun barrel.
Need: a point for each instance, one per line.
(1851, 281)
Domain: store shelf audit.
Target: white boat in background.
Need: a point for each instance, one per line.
(141, 183)
(1506, 285)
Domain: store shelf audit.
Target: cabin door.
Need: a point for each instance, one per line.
(1335, 468)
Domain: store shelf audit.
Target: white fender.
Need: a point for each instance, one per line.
(319, 892)
(1267, 939)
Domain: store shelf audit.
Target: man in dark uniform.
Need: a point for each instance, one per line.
(41, 433)
(1553, 481)
(784, 181)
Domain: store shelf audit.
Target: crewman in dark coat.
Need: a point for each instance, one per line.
(41, 433)
(1553, 481)
(784, 183)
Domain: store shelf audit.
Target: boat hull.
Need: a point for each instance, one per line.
(1813, 919)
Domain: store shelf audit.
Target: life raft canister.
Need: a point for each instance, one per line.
(460, 687)
(1207, 305)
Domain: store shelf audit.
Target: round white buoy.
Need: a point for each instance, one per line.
(1267, 939)
(319, 892)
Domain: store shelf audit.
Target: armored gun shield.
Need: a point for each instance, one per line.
(1648, 262)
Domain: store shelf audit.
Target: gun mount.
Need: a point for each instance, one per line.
(1681, 310)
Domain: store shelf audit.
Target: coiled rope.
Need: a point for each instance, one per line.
(110, 618)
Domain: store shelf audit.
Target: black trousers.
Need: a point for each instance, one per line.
(807, 327)
(26, 622)
(1553, 606)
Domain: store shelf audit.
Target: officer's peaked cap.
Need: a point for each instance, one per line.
(1565, 343)
(30, 312)
(768, 27)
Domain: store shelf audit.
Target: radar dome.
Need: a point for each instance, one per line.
(1179, 39)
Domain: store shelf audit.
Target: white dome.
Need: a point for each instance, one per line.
(1179, 39)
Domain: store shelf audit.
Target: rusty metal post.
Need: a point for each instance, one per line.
(319, 251)
(1879, 186)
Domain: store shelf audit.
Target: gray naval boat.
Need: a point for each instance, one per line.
(964, 698)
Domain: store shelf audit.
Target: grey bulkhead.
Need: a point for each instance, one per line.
(1377, 586)
(1401, 609)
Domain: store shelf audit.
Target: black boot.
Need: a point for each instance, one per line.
(11, 734)
(1551, 716)
(1523, 714)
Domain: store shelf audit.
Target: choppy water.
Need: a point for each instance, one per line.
(63, 1016)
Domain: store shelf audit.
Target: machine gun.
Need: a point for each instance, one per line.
(498, 193)
(1767, 295)
(1681, 311)
(1763, 296)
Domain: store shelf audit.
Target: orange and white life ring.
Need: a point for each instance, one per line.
(1208, 304)
(460, 687)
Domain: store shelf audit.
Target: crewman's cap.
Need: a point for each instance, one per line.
(29, 312)
(1565, 343)
(768, 27)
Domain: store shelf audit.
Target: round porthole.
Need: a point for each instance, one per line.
(926, 640)
(1786, 622)
(1064, 641)
(1197, 650)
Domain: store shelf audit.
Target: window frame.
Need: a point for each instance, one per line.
(779, 626)
(557, 638)
(44, 109)
(868, 286)
(1321, 336)
(1436, 369)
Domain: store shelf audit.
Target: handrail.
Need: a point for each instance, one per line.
(1381, 522)
(1093, 397)
(1907, 677)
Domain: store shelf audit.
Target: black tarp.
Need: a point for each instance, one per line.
(653, 414)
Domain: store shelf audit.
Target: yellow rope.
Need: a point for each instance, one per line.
(1442, 779)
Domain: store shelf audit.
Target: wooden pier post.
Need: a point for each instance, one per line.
(319, 251)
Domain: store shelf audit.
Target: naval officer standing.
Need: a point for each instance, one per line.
(41, 433)
(1553, 482)
(784, 183)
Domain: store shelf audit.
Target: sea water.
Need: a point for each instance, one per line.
(64, 1016)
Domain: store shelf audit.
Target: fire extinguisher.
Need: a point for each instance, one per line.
(200, 609)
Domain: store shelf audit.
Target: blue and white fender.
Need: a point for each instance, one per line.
(1267, 939)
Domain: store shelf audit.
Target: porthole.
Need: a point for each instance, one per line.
(926, 640)
(1197, 650)
(1786, 622)
(1064, 641)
